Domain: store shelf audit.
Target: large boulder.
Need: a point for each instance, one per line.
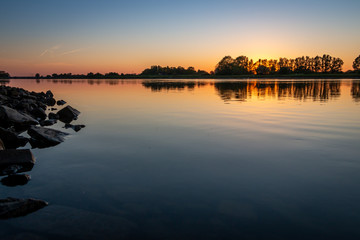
(67, 114)
(13, 207)
(9, 116)
(11, 139)
(16, 161)
(50, 101)
(15, 180)
(39, 113)
(45, 137)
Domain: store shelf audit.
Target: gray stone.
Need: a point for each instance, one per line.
(50, 101)
(67, 114)
(11, 139)
(39, 113)
(2, 146)
(16, 180)
(53, 116)
(16, 161)
(48, 122)
(14, 207)
(76, 128)
(10, 116)
(46, 137)
(60, 102)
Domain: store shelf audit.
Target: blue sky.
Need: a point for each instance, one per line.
(126, 36)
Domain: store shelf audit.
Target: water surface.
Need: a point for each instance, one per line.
(198, 159)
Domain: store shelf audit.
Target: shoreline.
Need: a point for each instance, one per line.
(290, 76)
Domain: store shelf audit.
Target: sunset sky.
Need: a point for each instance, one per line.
(79, 36)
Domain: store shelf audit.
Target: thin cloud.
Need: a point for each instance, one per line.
(50, 50)
(71, 52)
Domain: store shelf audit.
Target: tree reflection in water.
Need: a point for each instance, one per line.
(317, 90)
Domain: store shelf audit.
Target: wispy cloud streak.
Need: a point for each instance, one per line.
(50, 50)
(71, 52)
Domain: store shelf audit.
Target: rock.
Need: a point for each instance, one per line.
(60, 102)
(53, 116)
(13, 207)
(49, 94)
(16, 180)
(2, 146)
(76, 128)
(39, 113)
(50, 101)
(67, 114)
(9, 116)
(48, 122)
(16, 161)
(45, 137)
(11, 139)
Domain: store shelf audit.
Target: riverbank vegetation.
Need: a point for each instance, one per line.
(318, 67)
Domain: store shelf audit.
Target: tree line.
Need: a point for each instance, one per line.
(243, 66)
(158, 70)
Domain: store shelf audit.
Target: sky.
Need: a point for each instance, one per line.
(81, 36)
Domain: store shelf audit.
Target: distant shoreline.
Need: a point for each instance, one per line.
(276, 76)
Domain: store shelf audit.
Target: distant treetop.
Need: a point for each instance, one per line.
(4, 74)
(243, 66)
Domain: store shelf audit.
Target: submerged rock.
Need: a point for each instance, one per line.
(11, 139)
(16, 180)
(16, 161)
(9, 116)
(67, 114)
(76, 128)
(60, 102)
(14, 207)
(45, 137)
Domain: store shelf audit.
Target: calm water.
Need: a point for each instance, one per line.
(198, 160)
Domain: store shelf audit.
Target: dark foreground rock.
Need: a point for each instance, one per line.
(2, 146)
(16, 161)
(61, 102)
(11, 139)
(9, 116)
(68, 114)
(76, 128)
(45, 137)
(53, 116)
(48, 122)
(15, 180)
(14, 207)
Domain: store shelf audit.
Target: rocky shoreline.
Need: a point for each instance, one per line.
(26, 117)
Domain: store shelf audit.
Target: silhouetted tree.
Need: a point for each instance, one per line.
(356, 64)
(225, 66)
(241, 65)
(317, 64)
(4, 74)
(262, 70)
(336, 65)
(326, 63)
